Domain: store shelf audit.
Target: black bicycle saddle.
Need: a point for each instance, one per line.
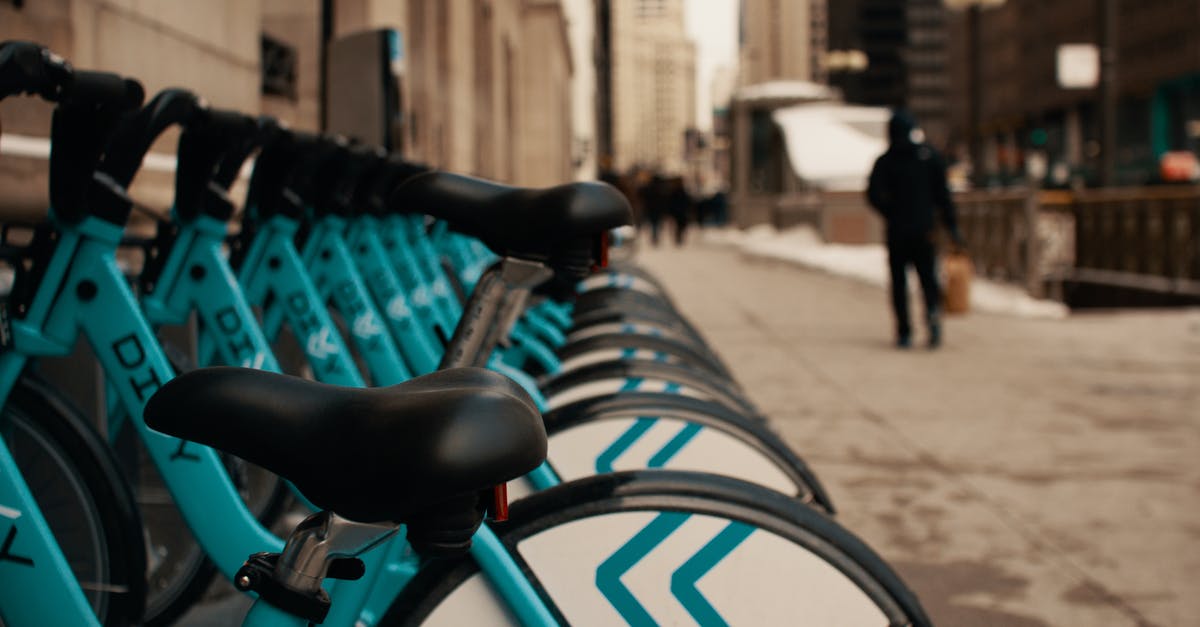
(397, 453)
(561, 225)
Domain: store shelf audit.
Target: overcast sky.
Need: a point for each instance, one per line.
(712, 24)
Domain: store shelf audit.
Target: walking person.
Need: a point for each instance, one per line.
(907, 186)
(679, 203)
(650, 194)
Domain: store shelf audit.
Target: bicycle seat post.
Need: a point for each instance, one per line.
(322, 546)
(496, 302)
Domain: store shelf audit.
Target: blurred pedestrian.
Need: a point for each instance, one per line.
(719, 208)
(679, 204)
(907, 185)
(650, 193)
(626, 184)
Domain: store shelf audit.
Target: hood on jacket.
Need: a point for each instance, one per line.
(900, 128)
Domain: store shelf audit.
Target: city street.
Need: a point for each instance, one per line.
(1031, 472)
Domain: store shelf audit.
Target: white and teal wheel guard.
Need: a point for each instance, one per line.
(633, 442)
(614, 279)
(616, 354)
(615, 385)
(672, 548)
(718, 571)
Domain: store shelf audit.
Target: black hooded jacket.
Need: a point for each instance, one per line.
(908, 183)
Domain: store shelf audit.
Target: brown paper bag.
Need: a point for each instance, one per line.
(956, 290)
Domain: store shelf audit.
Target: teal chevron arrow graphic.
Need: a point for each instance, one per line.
(683, 581)
(604, 462)
(674, 445)
(608, 575)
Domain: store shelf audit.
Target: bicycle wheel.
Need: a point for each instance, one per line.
(648, 548)
(178, 571)
(82, 496)
(698, 382)
(692, 355)
(636, 430)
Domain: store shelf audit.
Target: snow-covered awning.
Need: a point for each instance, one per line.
(794, 91)
(833, 146)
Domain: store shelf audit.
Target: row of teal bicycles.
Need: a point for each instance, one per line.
(485, 420)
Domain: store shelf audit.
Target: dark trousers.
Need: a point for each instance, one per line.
(919, 252)
(681, 225)
(655, 221)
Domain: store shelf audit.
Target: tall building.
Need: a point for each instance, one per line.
(580, 15)
(780, 40)
(818, 20)
(1023, 107)
(927, 76)
(906, 43)
(653, 84)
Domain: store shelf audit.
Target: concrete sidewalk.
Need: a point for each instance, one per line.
(1031, 472)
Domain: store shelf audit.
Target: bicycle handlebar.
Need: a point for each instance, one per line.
(135, 135)
(394, 171)
(204, 143)
(27, 68)
(266, 129)
(102, 90)
(282, 183)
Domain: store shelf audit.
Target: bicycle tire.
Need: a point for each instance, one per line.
(791, 565)
(715, 388)
(82, 496)
(178, 572)
(753, 452)
(621, 315)
(636, 327)
(690, 354)
(182, 573)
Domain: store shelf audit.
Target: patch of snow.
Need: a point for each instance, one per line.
(812, 131)
(784, 89)
(868, 263)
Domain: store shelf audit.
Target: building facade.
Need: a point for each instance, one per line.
(484, 85)
(926, 60)
(653, 84)
(1022, 106)
(781, 40)
(907, 46)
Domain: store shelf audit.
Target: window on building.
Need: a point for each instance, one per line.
(278, 68)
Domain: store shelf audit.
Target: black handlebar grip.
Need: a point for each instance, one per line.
(266, 129)
(318, 164)
(102, 90)
(399, 171)
(27, 68)
(135, 135)
(205, 140)
(231, 126)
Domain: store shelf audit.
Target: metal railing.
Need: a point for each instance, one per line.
(1146, 236)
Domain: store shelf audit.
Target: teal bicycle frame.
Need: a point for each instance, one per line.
(83, 289)
(390, 568)
(332, 270)
(415, 340)
(411, 251)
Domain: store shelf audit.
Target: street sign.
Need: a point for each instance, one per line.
(1078, 66)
